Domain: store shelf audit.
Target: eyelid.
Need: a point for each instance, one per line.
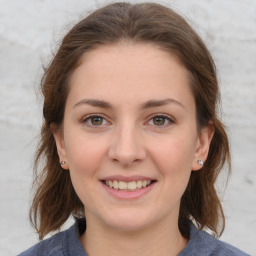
(87, 117)
(167, 117)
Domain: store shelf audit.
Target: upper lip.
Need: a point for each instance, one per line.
(126, 178)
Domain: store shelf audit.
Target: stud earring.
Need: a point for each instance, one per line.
(62, 162)
(200, 162)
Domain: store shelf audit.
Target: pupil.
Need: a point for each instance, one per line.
(159, 120)
(97, 120)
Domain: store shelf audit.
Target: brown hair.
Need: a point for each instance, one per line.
(55, 198)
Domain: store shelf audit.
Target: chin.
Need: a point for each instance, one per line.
(128, 221)
(128, 226)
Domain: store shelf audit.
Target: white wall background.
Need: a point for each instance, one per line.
(29, 30)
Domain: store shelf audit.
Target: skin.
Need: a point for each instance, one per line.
(129, 140)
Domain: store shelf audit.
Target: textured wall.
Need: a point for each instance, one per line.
(29, 31)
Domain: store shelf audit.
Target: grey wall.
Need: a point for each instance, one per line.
(29, 31)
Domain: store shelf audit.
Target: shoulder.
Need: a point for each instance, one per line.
(202, 243)
(62, 244)
(50, 246)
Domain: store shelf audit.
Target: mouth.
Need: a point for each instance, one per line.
(128, 186)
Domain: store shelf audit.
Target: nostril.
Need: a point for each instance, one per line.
(126, 149)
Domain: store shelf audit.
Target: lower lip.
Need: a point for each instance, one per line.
(128, 194)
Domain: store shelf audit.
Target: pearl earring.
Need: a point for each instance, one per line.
(62, 162)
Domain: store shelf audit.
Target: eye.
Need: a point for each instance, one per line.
(95, 120)
(160, 120)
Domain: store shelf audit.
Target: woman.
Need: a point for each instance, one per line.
(131, 139)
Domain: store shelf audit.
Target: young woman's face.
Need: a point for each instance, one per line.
(130, 136)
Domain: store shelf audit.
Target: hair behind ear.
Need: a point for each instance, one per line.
(200, 202)
(54, 199)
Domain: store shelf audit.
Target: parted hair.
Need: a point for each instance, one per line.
(55, 199)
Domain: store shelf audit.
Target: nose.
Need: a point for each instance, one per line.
(127, 146)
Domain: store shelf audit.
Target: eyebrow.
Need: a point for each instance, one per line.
(94, 103)
(159, 103)
(146, 105)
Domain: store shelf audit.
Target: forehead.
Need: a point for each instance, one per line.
(145, 56)
(129, 70)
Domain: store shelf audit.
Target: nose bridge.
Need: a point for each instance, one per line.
(127, 145)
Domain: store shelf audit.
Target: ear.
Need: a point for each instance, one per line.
(61, 148)
(203, 146)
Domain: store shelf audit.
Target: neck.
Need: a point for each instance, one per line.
(160, 239)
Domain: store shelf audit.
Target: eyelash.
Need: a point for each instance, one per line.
(166, 118)
(88, 119)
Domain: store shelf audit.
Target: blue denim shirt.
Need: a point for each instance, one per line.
(67, 243)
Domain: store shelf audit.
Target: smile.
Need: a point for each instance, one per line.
(127, 186)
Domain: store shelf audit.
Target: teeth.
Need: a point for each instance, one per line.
(115, 184)
(123, 185)
(132, 185)
(139, 184)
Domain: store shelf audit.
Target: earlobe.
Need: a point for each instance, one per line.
(61, 149)
(203, 146)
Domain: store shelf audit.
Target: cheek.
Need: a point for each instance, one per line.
(173, 156)
(174, 162)
(84, 156)
(84, 160)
